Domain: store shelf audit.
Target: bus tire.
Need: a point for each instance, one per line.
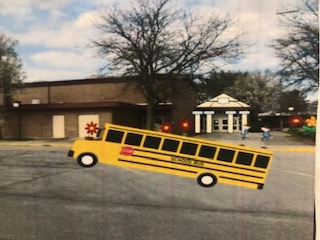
(207, 180)
(87, 160)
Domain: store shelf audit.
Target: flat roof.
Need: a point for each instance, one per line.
(85, 105)
(77, 82)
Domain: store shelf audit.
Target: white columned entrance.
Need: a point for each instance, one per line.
(222, 113)
(197, 121)
(230, 120)
(209, 120)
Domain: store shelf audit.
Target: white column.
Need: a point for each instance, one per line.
(209, 120)
(230, 120)
(197, 121)
(244, 117)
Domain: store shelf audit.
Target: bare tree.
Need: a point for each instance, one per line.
(299, 49)
(154, 38)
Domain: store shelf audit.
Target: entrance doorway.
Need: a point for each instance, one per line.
(58, 126)
(220, 123)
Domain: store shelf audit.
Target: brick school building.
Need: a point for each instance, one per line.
(76, 108)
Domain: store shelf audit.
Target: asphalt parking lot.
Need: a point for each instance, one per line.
(46, 195)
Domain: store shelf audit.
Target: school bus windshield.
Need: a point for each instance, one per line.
(100, 133)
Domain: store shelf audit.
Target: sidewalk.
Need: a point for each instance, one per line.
(63, 143)
(279, 141)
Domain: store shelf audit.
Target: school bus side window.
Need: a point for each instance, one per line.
(244, 158)
(170, 145)
(262, 161)
(133, 139)
(152, 142)
(114, 136)
(189, 148)
(225, 155)
(207, 151)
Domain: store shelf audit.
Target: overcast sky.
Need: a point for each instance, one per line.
(53, 34)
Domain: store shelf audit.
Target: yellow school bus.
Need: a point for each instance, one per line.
(209, 162)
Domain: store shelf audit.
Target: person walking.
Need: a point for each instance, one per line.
(265, 135)
(244, 132)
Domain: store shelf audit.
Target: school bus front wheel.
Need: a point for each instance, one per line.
(87, 160)
(207, 180)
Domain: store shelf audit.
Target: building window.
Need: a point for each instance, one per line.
(215, 124)
(225, 124)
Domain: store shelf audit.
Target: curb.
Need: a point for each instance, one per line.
(35, 144)
(294, 149)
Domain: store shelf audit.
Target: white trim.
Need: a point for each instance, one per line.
(197, 112)
(208, 112)
(244, 112)
(230, 112)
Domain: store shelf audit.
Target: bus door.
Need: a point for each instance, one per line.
(112, 145)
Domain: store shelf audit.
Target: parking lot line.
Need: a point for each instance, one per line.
(294, 173)
(134, 171)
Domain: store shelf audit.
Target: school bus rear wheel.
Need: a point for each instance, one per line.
(207, 180)
(87, 160)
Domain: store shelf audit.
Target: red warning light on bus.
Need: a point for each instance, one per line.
(127, 151)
